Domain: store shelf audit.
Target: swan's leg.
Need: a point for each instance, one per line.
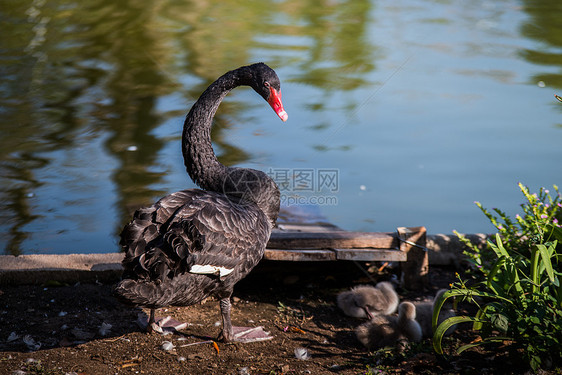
(152, 326)
(227, 334)
(151, 318)
(240, 334)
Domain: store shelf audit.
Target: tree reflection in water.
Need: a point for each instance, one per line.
(81, 75)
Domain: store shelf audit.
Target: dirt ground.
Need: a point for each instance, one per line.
(82, 329)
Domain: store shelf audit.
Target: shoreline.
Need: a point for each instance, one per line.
(444, 250)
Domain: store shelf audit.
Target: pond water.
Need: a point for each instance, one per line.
(400, 113)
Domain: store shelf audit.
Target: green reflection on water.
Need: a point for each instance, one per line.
(544, 25)
(73, 70)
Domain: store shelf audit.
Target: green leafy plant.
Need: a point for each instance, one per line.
(539, 211)
(517, 288)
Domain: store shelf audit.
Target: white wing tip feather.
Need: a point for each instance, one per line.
(208, 269)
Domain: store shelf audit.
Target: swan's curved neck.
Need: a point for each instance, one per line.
(199, 158)
(201, 162)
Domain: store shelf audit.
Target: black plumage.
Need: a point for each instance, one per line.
(195, 243)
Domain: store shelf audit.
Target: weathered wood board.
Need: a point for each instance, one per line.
(319, 242)
(326, 242)
(332, 239)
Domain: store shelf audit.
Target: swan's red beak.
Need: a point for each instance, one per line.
(275, 103)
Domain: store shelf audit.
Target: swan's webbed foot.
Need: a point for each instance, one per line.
(238, 334)
(160, 325)
(244, 334)
(157, 326)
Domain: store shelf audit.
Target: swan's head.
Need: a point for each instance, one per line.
(366, 298)
(407, 310)
(267, 84)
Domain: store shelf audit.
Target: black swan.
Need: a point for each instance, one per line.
(195, 243)
(366, 301)
(389, 330)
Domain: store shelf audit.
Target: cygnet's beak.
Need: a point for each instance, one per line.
(369, 315)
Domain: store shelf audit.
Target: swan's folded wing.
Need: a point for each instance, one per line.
(147, 221)
(222, 236)
(194, 231)
(143, 240)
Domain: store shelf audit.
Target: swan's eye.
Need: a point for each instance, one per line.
(266, 84)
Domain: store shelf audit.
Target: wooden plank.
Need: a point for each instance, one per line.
(371, 255)
(332, 239)
(307, 255)
(305, 227)
(299, 255)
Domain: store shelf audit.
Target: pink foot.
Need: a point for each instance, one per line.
(160, 325)
(250, 334)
